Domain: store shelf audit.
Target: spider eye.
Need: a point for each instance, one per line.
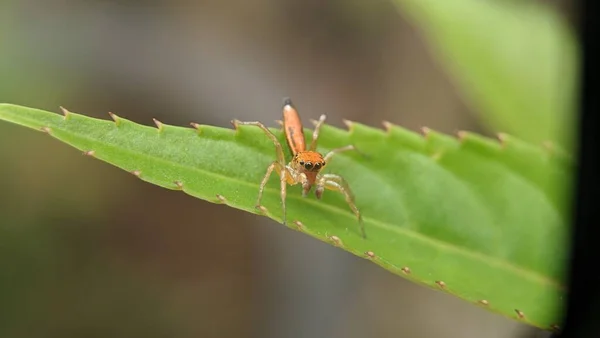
(301, 162)
(307, 165)
(317, 165)
(323, 164)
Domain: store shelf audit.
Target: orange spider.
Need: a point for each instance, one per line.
(305, 166)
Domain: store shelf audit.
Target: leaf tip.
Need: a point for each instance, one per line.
(263, 210)
(158, 124)
(387, 126)
(66, 113)
(196, 126)
(425, 131)
(336, 240)
(115, 118)
(221, 199)
(300, 225)
(502, 137)
(349, 124)
(520, 313)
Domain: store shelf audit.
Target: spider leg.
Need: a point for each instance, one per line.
(332, 152)
(315, 136)
(279, 165)
(278, 148)
(283, 178)
(338, 183)
(263, 183)
(337, 179)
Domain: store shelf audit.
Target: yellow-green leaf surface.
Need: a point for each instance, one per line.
(481, 219)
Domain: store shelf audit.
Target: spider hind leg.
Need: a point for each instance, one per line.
(339, 184)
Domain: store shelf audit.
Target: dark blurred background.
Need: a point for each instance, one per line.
(88, 250)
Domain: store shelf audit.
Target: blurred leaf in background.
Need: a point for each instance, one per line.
(514, 61)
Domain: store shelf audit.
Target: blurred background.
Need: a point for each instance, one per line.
(87, 250)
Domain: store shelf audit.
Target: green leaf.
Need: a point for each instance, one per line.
(514, 61)
(480, 219)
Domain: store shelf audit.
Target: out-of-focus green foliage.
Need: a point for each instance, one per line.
(515, 62)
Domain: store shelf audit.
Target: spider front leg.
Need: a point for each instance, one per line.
(332, 152)
(279, 165)
(273, 166)
(303, 179)
(315, 136)
(278, 148)
(338, 183)
(283, 177)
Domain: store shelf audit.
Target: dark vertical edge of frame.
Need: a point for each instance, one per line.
(583, 301)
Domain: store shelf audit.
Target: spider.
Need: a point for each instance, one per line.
(306, 165)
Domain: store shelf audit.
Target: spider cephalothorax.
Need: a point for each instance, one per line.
(307, 164)
(308, 161)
